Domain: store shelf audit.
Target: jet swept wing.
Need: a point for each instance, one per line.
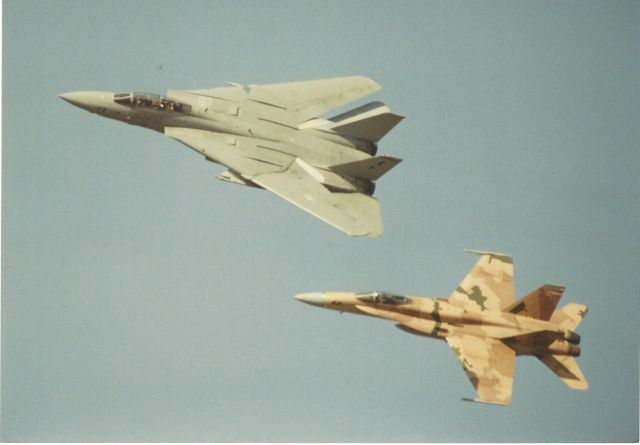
(306, 99)
(488, 363)
(489, 284)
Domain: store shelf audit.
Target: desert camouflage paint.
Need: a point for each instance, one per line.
(485, 328)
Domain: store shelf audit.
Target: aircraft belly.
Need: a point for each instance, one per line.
(305, 145)
(273, 136)
(486, 330)
(323, 153)
(315, 151)
(249, 157)
(254, 156)
(262, 157)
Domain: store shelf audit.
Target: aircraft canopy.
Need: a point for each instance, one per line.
(152, 101)
(383, 298)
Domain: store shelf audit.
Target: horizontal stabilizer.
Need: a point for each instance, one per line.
(567, 369)
(369, 122)
(371, 169)
(538, 304)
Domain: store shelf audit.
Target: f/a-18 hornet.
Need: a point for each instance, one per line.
(269, 136)
(483, 325)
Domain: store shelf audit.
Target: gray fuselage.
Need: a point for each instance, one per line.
(190, 110)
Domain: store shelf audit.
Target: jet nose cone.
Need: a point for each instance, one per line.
(314, 298)
(89, 100)
(69, 97)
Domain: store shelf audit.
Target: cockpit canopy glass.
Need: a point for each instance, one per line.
(378, 297)
(155, 101)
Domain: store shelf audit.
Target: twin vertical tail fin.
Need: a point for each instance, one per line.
(566, 367)
(538, 304)
(369, 122)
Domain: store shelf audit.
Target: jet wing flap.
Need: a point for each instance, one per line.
(488, 364)
(312, 98)
(488, 285)
(353, 213)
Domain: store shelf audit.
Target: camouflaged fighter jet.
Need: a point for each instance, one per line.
(269, 136)
(483, 325)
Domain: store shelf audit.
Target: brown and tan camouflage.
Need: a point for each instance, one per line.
(483, 325)
(489, 284)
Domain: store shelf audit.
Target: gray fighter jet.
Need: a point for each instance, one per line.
(269, 136)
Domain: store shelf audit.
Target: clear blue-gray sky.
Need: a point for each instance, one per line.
(143, 300)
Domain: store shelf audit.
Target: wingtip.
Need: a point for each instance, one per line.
(375, 86)
(486, 402)
(486, 252)
(390, 158)
(374, 234)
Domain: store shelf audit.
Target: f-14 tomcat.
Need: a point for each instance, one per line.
(483, 325)
(269, 136)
